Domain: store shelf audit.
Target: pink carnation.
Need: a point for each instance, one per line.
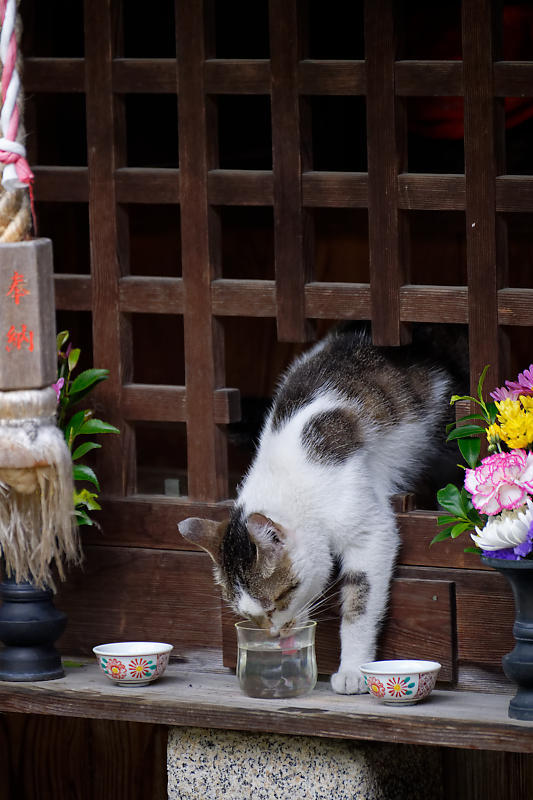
(501, 481)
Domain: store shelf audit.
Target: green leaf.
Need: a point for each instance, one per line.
(440, 537)
(447, 519)
(84, 448)
(72, 664)
(73, 357)
(83, 473)
(87, 499)
(464, 419)
(87, 379)
(481, 382)
(61, 338)
(457, 530)
(98, 426)
(470, 450)
(475, 550)
(450, 499)
(464, 431)
(456, 397)
(74, 426)
(492, 412)
(82, 518)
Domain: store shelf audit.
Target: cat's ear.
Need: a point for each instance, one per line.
(267, 537)
(205, 533)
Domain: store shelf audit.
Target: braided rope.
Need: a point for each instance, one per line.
(15, 206)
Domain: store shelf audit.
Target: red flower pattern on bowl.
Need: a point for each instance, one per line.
(375, 687)
(115, 668)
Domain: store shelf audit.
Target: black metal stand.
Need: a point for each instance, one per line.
(29, 626)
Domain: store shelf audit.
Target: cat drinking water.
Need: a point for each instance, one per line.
(350, 425)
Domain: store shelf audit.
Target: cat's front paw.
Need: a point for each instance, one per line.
(349, 681)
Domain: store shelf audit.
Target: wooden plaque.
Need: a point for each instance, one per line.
(28, 357)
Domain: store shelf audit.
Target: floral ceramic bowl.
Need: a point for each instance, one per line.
(404, 682)
(133, 663)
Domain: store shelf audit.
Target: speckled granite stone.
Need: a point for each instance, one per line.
(231, 765)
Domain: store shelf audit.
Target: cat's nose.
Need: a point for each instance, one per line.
(261, 622)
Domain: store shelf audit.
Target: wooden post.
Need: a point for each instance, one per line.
(29, 624)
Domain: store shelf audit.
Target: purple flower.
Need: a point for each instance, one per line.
(524, 549)
(524, 384)
(513, 389)
(505, 394)
(58, 386)
(506, 554)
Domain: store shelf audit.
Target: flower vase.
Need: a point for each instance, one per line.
(518, 664)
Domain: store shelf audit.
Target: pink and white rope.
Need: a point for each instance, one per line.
(17, 173)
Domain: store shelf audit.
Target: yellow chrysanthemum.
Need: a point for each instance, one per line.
(494, 434)
(527, 403)
(515, 419)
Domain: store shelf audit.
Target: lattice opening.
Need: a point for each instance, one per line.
(519, 227)
(518, 152)
(157, 111)
(232, 19)
(149, 35)
(438, 248)
(67, 225)
(155, 242)
(158, 349)
(339, 133)
(435, 141)
(430, 32)
(45, 26)
(244, 132)
(335, 31)
(161, 449)
(55, 143)
(341, 244)
(247, 245)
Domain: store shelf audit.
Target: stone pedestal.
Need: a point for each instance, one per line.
(232, 765)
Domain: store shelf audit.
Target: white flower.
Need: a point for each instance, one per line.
(507, 529)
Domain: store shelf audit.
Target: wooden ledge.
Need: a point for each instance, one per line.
(471, 720)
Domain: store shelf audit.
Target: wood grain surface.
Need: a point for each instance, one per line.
(204, 699)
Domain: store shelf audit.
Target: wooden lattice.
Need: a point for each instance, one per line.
(296, 297)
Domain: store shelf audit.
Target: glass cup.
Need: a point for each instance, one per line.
(276, 666)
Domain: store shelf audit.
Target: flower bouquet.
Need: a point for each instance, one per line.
(496, 502)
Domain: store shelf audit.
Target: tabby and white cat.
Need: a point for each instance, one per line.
(350, 425)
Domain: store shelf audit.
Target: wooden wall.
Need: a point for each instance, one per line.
(220, 189)
(81, 759)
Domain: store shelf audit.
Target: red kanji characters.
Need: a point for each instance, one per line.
(15, 339)
(17, 290)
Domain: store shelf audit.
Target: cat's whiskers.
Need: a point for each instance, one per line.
(323, 596)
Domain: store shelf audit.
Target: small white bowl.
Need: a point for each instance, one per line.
(403, 681)
(133, 663)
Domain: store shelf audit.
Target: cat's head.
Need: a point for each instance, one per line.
(258, 568)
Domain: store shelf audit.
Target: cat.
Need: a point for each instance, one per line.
(350, 425)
